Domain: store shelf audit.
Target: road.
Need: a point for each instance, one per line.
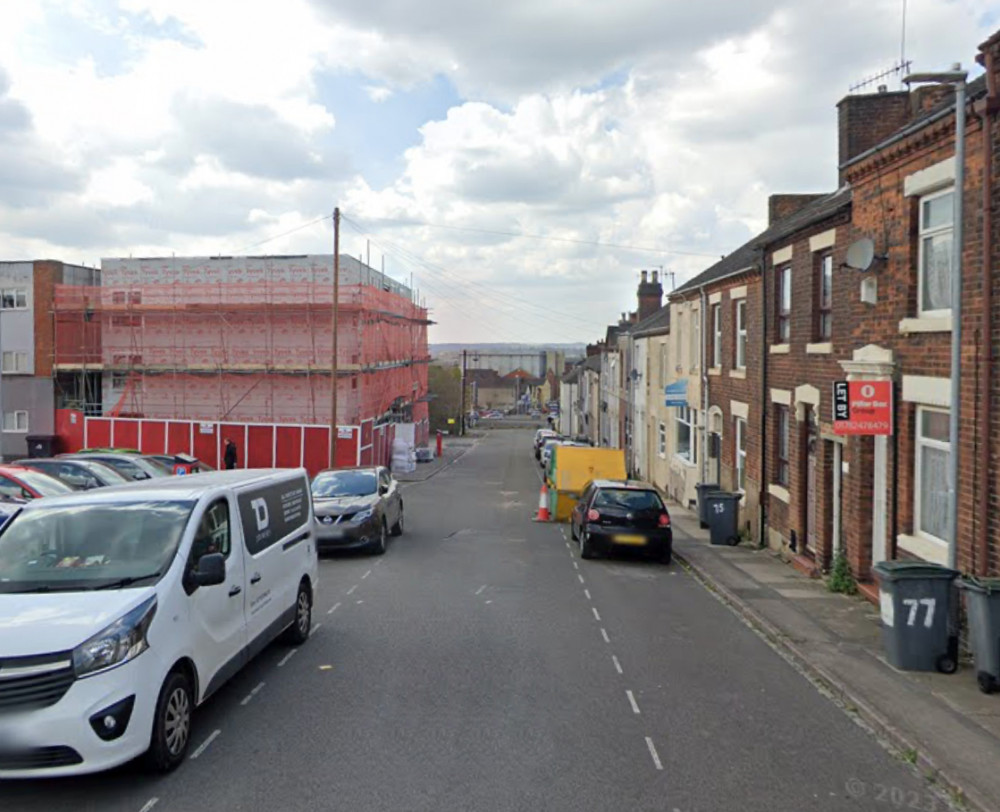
(481, 665)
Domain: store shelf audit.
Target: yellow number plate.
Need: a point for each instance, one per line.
(637, 540)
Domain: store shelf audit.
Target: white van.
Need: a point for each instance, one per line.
(123, 608)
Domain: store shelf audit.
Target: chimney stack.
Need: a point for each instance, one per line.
(868, 119)
(650, 296)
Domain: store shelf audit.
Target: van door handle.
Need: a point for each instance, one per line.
(255, 578)
(235, 590)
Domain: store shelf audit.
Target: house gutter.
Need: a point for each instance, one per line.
(762, 502)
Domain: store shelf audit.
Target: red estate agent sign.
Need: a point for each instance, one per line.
(862, 407)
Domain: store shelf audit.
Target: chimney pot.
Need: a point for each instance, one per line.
(644, 277)
(656, 277)
(883, 88)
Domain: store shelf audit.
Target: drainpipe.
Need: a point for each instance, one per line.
(703, 353)
(762, 495)
(988, 113)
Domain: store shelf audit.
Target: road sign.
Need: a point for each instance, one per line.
(862, 407)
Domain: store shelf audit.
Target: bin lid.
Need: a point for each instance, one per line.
(904, 570)
(722, 496)
(985, 586)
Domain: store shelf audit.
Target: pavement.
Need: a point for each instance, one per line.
(943, 724)
(480, 664)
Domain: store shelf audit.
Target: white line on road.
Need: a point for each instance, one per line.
(567, 546)
(151, 803)
(201, 749)
(253, 693)
(631, 701)
(576, 566)
(652, 752)
(618, 665)
(597, 617)
(286, 658)
(587, 593)
(366, 575)
(604, 634)
(359, 601)
(480, 590)
(315, 629)
(489, 602)
(351, 590)
(581, 578)
(333, 608)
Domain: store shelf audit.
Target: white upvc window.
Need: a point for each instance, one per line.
(662, 440)
(784, 277)
(741, 334)
(15, 422)
(687, 431)
(14, 299)
(14, 361)
(934, 253)
(930, 492)
(717, 336)
(740, 441)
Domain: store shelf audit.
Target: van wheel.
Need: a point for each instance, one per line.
(380, 544)
(397, 528)
(171, 724)
(298, 632)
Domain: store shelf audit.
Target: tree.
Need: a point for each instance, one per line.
(444, 385)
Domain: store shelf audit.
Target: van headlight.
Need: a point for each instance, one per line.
(123, 640)
(363, 516)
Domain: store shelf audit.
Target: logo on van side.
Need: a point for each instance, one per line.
(259, 507)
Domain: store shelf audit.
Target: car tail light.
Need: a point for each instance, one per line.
(593, 515)
(664, 520)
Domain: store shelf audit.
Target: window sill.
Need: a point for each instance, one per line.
(779, 492)
(738, 373)
(925, 547)
(684, 461)
(780, 349)
(715, 371)
(14, 431)
(823, 348)
(925, 324)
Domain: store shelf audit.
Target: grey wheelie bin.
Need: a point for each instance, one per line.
(918, 615)
(982, 600)
(704, 489)
(724, 517)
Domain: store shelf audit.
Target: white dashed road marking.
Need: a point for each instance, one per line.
(597, 617)
(366, 575)
(201, 749)
(652, 752)
(618, 665)
(150, 803)
(315, 629)
(604, 634)
(480, 590)
(351, 590)
(587, 593)
(576, 566)
(333, 608)
(252, 694)
(631, 701)
(287, 657)
(581, 578)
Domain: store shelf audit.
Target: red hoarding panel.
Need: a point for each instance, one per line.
(154, 437)
(317, 449)
(236, 433)
(206, 443)
(260, 446)
(179, 438)
(126, 433)
(862, 407)
(347, 447)
(289, 442)
(366, 432)
(98, 434)
(69, 430)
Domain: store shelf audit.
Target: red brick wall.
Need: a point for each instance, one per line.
(47, 273)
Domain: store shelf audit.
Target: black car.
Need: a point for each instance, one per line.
(621, 514)
(356, 508)
(79, 474)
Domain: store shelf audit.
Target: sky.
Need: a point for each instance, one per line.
(522, 161)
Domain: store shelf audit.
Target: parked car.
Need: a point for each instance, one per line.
(131, 466)
(621, 513)
(79, 474)
(190, 465)
(356, 508)
(547, 441)
(126, 607)
(540, 436)
(19, 482)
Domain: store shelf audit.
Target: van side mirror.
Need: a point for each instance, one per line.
(382, 490)
(211, 570)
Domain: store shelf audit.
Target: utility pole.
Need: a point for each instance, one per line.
(333, 325)
(464, 370)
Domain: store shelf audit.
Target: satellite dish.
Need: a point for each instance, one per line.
(860, 254)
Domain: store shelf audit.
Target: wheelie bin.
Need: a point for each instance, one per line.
(723, 511)
(918, 615)
(982, 602)
(703, 490)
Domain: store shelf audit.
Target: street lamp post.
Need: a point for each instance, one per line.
(957, 78)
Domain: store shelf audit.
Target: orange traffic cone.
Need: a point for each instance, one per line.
(543, 505)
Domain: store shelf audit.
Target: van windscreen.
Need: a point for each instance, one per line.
(90, 546)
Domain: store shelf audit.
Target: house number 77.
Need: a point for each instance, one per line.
(915, 604)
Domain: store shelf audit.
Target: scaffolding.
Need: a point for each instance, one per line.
(227, 350)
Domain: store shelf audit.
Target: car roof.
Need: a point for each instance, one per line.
(27, 462)
(631, 484)
(372, 469)
(16, 469)
(178, 488)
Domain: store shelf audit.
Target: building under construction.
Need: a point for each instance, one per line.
(241, 340)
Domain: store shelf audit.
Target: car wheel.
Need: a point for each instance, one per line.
(380, 544)
(298, 632)
(171, 723)
(666, 555)
(572, 531)
(586, 548)
(397, 528)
